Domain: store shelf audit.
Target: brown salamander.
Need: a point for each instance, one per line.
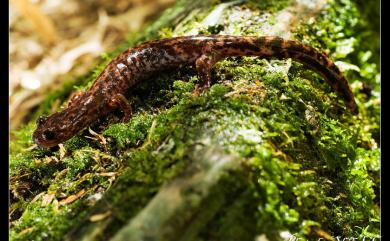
(138, 63)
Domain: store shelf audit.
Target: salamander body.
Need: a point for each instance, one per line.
(140, 62)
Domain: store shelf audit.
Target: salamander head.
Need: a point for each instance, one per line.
(49, 132)
(59, 127)
(63, 125)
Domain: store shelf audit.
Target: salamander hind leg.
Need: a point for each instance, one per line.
(204, 65)
(121, 102)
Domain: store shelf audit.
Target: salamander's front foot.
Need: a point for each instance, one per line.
(204, 65)
(121, 102)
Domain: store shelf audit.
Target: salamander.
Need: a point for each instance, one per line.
(138, 63)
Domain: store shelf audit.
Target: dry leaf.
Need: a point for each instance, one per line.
(56, 205)
(37, 197)
(37, 161)
(47, 199)
(27, 230)
(108, 174)
(100, 216)
(99, 137)
(62, 151)
(43, 24)
(322, 234)
(31, 147)
(72, 198)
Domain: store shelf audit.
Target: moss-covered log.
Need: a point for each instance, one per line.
(287, 158)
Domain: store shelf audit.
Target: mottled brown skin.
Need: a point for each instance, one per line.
(138, 63)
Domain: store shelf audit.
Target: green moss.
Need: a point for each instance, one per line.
(45, 222)
(80, 160)
(336, 144)
(269, 5)
(132, 133)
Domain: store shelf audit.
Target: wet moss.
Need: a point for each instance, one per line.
(269, 6)
(47, 220)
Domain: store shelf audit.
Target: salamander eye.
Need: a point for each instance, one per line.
(41, 120)
(48, 135)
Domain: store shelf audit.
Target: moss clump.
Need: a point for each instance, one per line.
(270, 6)
(46, 220)
(131, 133)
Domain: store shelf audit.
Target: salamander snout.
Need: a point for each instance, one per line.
(45, 138)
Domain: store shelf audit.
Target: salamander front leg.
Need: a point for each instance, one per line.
(204, 65)
(120, 101)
